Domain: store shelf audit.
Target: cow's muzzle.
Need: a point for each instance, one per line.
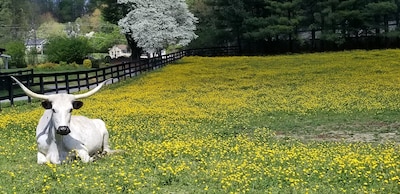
(63, 130)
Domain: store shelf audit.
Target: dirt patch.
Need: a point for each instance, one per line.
(374, 132)
(347, 137)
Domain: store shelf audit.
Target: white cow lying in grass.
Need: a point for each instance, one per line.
(59, 135)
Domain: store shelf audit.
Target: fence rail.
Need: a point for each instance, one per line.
(214, 51)
(47, 83)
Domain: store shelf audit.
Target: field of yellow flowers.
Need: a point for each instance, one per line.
(276, 124)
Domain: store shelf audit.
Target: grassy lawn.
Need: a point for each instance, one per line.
(310, 123)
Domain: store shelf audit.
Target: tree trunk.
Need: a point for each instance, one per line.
(136, 51)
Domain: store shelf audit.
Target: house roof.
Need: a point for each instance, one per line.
(121, 46)
(39, 41)
(5, 56)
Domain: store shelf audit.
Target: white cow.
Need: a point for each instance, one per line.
(59, 135)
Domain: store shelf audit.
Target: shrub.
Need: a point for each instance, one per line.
(87, 63)
(16, 50)
(47, 66)
(67, 49)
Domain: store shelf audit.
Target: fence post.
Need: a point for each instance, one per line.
(56, 82)
(97, 78)
(79, 82)
(41, 84)
(112, 73)
(118, 75)
(10, 90)
(130, 69)
(66, 83)
(29, 81)
(104, 74)
(87, 81)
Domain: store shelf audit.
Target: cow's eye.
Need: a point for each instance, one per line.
(54, 111)
(70, 110)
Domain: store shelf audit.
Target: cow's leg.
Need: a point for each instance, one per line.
(84, 156)
(54, 158)
(41, 158)
(106, 146)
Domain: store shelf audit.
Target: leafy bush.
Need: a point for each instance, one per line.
(67, 49)
(54, 67)
(16, 50)
(96, 63)
(48, 66)
(87, 63)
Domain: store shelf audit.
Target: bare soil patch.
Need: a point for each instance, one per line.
(373, 132)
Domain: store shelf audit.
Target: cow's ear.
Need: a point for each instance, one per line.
(46, 104)
(77, 104)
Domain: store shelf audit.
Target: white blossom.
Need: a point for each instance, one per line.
(156, 24)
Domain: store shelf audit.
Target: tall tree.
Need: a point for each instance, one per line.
(112, 12)
(230, 18)
(208, 34)
(157, 24)
(69, 10)
(380, 12)
(284, 19)
(311, 8)
(350, 19)
(5, 21)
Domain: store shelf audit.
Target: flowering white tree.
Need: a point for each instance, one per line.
(157, 24)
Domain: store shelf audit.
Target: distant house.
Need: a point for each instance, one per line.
(30, 44)
(120, 50)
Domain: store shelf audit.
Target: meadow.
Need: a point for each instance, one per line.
(304, 123)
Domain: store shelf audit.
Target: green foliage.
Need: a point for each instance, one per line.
(57, 67)
(46, 66)
(73, 49)
(102, 41)
(49, 29)
(69, 10)
(16, 50)
(5, 19)
(264, 21)
(14, 19)
(113, 11)
(87, 63)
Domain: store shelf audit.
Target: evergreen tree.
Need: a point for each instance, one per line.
(378, 13)
(5, 21)
(208, 34)
(310, 22)
(69, 10)
(230, 16)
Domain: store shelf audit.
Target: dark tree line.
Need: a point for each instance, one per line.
(298, 25)
(254, 25)
(64, 10)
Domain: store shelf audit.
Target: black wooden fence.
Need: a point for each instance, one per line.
(45, 83)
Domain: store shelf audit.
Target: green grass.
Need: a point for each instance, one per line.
(312, 123)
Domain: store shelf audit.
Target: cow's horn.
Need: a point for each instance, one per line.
(29, 92)
(91, 92)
